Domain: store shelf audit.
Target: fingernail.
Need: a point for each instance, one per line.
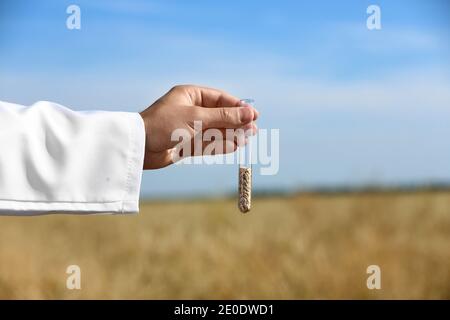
(245, 115)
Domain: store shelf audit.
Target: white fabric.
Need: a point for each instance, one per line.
(53, 159)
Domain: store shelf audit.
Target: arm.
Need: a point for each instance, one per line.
(53, 159)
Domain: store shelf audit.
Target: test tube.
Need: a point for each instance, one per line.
(245, 169)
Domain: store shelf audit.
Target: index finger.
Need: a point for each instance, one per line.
(212, 98)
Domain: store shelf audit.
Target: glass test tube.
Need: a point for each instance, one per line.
(245, 169)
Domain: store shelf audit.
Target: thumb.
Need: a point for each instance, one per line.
(230, 117)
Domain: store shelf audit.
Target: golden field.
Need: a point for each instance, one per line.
(308, 246)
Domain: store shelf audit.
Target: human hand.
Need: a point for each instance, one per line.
(179, 108)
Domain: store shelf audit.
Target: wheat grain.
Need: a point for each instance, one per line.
(245, 189)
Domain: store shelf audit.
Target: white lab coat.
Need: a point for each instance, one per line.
(53, 159)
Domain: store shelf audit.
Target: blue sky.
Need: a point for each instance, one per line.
(353, 106)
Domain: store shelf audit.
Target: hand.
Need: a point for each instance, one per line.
(179, 108)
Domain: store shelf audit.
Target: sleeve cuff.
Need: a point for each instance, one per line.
(130, 202)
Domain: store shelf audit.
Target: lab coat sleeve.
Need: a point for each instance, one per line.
(53, 159)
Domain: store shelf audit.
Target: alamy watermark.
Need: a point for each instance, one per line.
(211, 146)
(373, 21)
(73, 21)
(374, 280)
(73, 281)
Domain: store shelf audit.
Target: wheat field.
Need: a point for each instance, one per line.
(309, 246)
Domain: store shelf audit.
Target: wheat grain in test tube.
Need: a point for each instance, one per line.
(245, 170)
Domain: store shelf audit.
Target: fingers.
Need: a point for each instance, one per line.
(214, 142)
(157, 160)
(211, 148)
(209, 97)
(232, 118)
(254, 110)
(206, 148)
